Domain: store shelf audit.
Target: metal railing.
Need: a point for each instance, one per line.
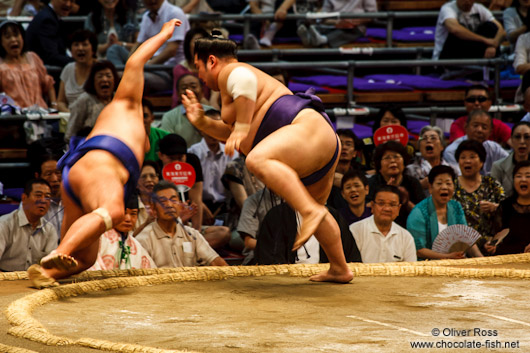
(388, 16)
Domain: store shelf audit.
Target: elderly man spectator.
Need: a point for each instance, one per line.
(46, 33)
(466, 29)
(168, 242)
(25, 238)
(175, 120)
(380, 239)
(478, 128)
(478, 97)
(171, 53)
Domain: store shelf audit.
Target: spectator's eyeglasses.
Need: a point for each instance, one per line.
(473, 99)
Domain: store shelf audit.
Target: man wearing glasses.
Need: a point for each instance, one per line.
(168, 241)
(477, 97)
(378, 238)
(25, 237)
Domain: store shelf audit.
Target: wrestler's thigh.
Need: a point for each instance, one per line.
(322, 188)
(306, 145)
(97, 183)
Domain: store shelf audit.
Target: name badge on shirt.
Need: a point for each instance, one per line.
(187, 247)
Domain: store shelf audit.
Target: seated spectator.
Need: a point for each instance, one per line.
(478, 194)
(380, 239)
(25, 238)
(175, 120)
(514, 214)
(466, 29)
(116, 28)
(337, 32)
(390, 159)
(173, 148)
(436, 213)
(478, 128)
(192, 6)
(48, 171)
(83, 46)
(254, 209)
(46, 33)
(155, 134)
(276, 237)
(354, 190)
(168, 242)
(213, 159)
(149, 177)
(24, 7)
(502, 170)
(478, 97)
(350, 144)
(239, 181)
(171, 53)
(118, 249)
(267, 29)
(386, 116)
(515, 19)
(23, 76)
(99, 90)
(187, 66)
(431, 144)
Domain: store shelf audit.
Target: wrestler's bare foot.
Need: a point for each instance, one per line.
(58, 261)
(39, 279)
(309, 226)
(333, 276)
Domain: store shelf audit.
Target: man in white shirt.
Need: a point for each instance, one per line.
(171, 53)
(465, 29)
(213, 159)
(25, 237)
(378, 238)
(168, 242)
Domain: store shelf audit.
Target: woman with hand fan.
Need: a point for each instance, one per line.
(514, 214)
(434, 214)
(478, 194)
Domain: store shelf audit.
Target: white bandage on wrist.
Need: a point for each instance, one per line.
(104, 214)
(241, 127)
(242, 82)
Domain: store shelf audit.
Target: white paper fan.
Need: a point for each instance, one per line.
(457, 233)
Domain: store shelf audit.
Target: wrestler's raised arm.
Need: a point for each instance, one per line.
(132, 83)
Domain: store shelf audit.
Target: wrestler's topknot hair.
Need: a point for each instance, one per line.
(215, 45)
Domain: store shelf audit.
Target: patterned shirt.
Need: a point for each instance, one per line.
(489, 190)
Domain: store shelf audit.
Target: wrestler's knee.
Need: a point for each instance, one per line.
(111, 215)
(255, 163)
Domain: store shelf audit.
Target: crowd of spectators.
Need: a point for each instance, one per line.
(391, 200)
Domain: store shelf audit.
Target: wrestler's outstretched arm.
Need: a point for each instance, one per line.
(132, 83)
(195, 114)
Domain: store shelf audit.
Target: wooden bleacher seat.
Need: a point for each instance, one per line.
(13, 153)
